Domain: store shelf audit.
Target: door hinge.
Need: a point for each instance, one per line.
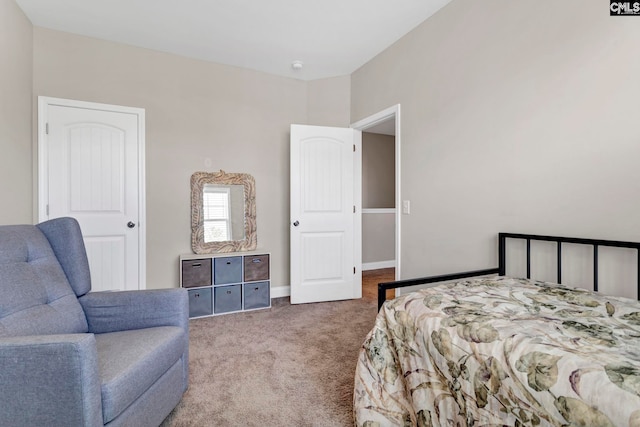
(354, 270)
(47, 209)
(354, 208)
(46, 128)
(354, 148)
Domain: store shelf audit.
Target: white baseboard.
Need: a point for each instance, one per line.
(378, 265)
(280, 292)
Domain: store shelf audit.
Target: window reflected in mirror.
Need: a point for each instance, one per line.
(223, 212)
(216, 202)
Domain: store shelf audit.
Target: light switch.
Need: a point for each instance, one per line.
(406, 207)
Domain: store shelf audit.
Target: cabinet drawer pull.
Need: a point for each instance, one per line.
(256, 288)
(257, 260)
(228, 292)
(196, 295)
(196, 265)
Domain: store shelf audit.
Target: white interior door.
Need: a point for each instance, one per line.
(91, 170)
(326, 242)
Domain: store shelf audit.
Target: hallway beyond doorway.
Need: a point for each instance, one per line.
(370, 280)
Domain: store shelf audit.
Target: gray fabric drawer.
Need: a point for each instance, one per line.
(256, 267)
(227, 270)
(227, 298)
(256, 295)
(196, 272)
(200, 302)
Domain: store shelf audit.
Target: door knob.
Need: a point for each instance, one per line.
(131, 224)
(296, 223)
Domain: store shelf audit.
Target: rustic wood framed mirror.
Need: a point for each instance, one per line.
(223, 212)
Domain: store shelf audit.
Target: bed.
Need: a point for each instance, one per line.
(485, 349)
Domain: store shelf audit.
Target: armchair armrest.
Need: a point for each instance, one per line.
(127, 310)
(50, 380)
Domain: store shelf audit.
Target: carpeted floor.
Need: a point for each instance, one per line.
(290, 365)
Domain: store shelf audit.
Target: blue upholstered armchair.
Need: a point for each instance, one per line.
(69, 357)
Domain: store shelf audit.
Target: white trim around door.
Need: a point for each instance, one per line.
(390, 113)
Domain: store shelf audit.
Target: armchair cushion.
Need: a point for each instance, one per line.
(35, 296)
(132, 361)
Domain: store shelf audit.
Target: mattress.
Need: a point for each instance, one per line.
(501, 351)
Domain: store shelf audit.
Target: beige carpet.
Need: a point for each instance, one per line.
(290, 365)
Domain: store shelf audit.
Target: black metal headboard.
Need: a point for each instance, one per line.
(502, 261)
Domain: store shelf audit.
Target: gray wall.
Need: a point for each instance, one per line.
(378, 191)
(16, 173)
(516, 116)
(329, 101)
(378, 171)
(378, 238)
(194, 110)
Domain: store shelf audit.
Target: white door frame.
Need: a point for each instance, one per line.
(392, 112)
(43, 184)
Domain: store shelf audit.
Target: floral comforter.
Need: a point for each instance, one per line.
(501, 351)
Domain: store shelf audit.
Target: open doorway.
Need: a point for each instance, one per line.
(380, 198)
(370, 280)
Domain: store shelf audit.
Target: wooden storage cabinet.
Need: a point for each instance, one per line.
(226, 283)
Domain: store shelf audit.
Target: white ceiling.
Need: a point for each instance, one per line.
(331, 37)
